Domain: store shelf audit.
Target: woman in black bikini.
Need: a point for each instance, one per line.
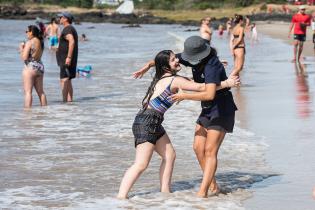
(237, 45)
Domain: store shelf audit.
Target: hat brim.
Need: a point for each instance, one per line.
(195, 59)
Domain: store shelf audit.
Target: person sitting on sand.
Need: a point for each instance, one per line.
(299, 21)
(147, 127)
(205, 30)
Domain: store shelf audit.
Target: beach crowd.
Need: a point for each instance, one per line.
(210, 84)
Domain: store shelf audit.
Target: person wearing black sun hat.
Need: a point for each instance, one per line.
(67, 55)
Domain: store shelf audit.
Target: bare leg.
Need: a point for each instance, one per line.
(64, 83)
(295, 47)
(40, 90)
(199, 148)
(143, 156)
(70, 92)
(300, 49)
(165, 149)
(213, 142)
(239, 61)
(28, 83)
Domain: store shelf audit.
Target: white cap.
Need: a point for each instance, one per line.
(302, 7)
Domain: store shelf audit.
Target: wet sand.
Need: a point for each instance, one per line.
(279, 30)
(281, 109)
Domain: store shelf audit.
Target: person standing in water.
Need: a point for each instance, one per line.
(299, 22)
(218, 107)
(147, 127)
(33, 72)
(67, 56)
(53, 32)
(313, 29)
(237, 45)
(205, 30)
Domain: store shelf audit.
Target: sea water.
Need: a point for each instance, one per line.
(73, 156)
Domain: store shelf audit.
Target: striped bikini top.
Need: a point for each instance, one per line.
(162, 102)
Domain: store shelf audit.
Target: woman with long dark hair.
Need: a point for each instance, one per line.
(33, 72)
(147, 127)
(218, 107)
(237, 45)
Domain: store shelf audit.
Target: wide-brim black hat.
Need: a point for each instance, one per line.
(195, 49)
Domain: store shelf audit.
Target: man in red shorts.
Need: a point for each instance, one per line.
(299, 21)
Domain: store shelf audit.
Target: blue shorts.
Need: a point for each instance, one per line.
(53, 41)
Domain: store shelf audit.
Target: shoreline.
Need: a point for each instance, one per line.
(279, 30)
(183, 17)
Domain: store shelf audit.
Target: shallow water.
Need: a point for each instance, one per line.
(73, 156)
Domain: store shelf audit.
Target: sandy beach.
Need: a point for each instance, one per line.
(279, 30)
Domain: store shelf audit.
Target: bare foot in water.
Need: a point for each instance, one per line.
(202, 195)
(314, 193)
(214, 190)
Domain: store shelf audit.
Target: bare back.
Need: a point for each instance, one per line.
(53, 29)
(205, 32)
(36, 49)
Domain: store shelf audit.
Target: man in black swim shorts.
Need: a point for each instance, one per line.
(67, 55)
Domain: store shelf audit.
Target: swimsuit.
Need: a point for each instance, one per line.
(53, 41)
(34, 64)
(238, 46)
(147, 126)
(162, 102)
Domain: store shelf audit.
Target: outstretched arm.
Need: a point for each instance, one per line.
(143, 70)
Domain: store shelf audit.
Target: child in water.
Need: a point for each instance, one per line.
(221, 30)
(147, 128)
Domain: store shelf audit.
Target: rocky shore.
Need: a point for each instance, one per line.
(16, 12)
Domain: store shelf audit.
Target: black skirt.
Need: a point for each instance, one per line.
(147, 126)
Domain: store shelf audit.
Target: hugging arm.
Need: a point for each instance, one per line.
(189, 85)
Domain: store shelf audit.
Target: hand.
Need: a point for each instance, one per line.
(289, 35)
(233, 81)
(21, 46)
(224, 62)
(138, 74)
(232, 52)
(68, 61)
(178, 97)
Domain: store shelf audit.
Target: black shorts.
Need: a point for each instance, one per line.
(147, 126)
(67, 72)
(314, 40)
(224, 123)
(300, 37)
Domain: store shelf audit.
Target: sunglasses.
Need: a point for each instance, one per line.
(26, 32)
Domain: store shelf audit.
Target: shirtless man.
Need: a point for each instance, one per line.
(205, 30)
(53, 31)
